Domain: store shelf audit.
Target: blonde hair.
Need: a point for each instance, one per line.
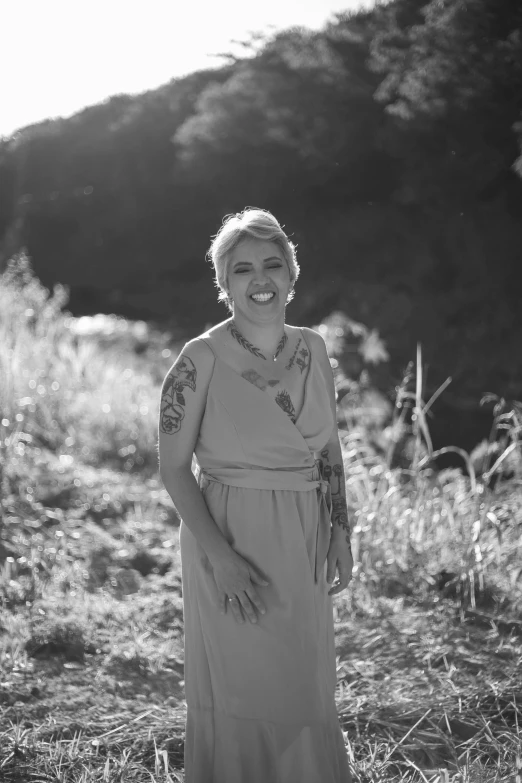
(251, 222)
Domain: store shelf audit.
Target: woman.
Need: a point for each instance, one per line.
(262, 521)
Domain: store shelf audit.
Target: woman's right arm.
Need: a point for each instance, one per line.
(183, 399)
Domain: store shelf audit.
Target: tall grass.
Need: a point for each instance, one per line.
(64, 393)
(416, 527)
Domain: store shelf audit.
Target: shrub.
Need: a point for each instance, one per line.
(57, 638)
(64, 392)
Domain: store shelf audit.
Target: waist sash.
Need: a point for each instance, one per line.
(305, 480)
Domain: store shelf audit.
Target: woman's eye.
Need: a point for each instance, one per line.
(271, 266)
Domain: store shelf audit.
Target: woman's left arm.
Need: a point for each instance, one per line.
(332, 469)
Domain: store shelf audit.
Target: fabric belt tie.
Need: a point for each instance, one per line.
(293, 480)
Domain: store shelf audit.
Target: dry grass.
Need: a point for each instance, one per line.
(429, 635)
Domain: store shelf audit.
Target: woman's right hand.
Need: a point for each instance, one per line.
(236, 578)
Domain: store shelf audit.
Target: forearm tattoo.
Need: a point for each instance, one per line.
(334, 474)
(172, 406)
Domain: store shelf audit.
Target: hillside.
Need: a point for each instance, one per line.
(388, 143)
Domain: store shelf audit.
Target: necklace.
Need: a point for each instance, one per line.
(252, 348)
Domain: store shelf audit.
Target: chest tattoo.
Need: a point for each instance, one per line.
(292, 358)
(253, 377)
(284, 401)
(282, 397)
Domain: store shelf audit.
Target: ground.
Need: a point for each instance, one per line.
(91, 651)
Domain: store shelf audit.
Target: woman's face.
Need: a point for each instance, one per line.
(257, 266)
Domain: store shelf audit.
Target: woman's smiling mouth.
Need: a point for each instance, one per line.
(262, 298)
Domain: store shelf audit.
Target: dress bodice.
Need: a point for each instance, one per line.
(243, 426)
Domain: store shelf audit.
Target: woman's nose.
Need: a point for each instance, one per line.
(260, 275)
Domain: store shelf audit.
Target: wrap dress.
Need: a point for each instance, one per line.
(261, 697)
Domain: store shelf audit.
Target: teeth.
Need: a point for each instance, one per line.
(263, 297)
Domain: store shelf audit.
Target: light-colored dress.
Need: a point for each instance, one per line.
(261, 697)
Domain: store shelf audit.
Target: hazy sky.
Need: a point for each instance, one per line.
(57, 56)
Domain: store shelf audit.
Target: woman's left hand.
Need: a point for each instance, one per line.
(339, 557)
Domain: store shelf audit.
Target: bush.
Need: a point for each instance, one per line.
(66, 392)
(57, 638)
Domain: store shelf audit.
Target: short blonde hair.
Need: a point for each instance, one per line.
(251, 222)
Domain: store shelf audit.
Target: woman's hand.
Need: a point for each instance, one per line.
(235, 578)
(340, 557)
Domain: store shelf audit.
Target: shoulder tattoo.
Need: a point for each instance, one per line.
(172, 406)
(303, 360)
(292, 358)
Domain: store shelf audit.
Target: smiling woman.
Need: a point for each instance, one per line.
(253, 399)
(230, 250)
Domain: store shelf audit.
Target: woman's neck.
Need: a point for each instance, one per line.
(266, 337)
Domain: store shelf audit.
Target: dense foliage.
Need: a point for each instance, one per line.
(388, 143)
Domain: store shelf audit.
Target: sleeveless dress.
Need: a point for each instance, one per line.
(261, 697)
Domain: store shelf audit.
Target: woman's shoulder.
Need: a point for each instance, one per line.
(205, 346)
(312, 337)
(214, 332)
(200, 347)
(317, 347)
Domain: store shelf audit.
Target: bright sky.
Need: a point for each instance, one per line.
(57, 56)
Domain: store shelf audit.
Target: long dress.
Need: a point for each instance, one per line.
(261, 697)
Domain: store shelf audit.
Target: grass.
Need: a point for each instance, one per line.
(429, 634)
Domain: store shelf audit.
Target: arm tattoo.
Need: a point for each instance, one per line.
(172, 406)
(284, 401)
(334, 474)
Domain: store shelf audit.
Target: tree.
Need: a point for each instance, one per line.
(304, 101)
(453, 82)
